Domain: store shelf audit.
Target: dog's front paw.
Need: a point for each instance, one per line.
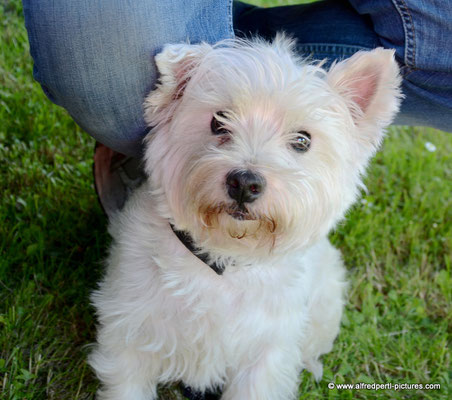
(315, 367)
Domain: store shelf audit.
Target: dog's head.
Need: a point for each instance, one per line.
(254, 150)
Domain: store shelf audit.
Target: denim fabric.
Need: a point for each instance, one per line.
(419, 30)
(95, 58)
(324, 29)
(421, 33)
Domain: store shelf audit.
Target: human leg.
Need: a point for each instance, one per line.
(95, 58)
(419, 32)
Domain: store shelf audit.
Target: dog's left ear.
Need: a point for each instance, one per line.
(175, 65)
(370, 83)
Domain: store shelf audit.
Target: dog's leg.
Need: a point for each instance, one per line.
(324, 308)
(274, 377)
(124, 375)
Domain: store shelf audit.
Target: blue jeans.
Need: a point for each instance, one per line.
(95, 58)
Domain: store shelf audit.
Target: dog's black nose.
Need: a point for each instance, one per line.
(244, 186)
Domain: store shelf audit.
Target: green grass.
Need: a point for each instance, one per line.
(396, 244)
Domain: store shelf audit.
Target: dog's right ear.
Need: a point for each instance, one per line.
(175, 65)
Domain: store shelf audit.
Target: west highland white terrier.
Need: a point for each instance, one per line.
(220, 274)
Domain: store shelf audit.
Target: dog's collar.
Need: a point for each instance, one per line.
(187, 241)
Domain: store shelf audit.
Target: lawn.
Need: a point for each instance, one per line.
(396, 243)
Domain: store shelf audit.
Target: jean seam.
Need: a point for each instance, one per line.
(406, 70)
(330, 48)
(408, 27)
(230, 18)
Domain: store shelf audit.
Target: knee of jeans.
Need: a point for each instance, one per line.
(96, 58)
(109, 111)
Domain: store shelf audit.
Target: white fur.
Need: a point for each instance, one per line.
(163, 314)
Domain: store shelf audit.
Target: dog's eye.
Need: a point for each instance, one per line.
(302, 142)
(216, 126)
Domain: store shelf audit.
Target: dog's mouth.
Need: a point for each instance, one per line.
(241, 214)
(237, 212)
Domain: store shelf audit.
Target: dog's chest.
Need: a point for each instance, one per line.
(239, 316)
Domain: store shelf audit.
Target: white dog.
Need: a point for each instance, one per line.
(221, 274)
